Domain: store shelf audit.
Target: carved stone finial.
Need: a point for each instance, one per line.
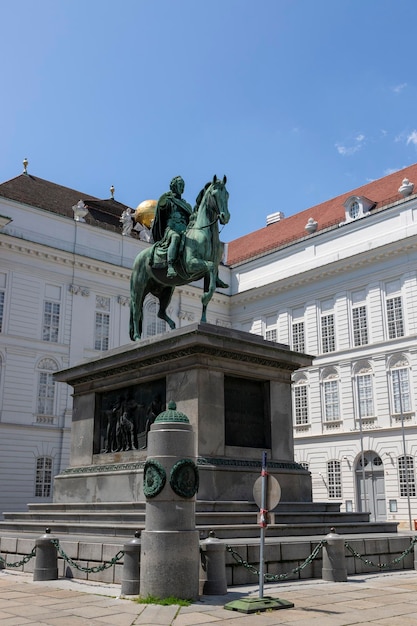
(311, 225)
(80, 211)
(112, 191)
(25, 165)
(406, 188)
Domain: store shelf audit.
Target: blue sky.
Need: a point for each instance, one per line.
(297, 101)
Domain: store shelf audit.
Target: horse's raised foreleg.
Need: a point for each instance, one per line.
(164, 300)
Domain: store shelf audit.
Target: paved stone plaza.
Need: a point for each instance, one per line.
(388, 599)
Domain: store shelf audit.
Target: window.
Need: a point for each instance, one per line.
(395, 317)
(298, 342)
(46, 388)
(43, 483)
(300, 402)
(46, 393)
(2, 298)
(153, 324)
(271, 334)
(50, 328)
(328, 333)
(334, 479)
(331, 400)
(406, 477)
(354, 209)
(401, 398)
(102, 323)
(360, 327)
(365, 395)
(1, 309)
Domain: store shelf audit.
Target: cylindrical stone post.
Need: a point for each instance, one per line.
(334, 560)
(46, 560)
(170, 554)
(213, 567)
(131, 568)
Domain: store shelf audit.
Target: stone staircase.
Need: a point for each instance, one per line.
(228, 519)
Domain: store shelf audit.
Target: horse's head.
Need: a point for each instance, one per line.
(218, 198)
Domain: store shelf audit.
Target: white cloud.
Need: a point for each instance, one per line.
(399, 88)
(412, 138)
(349, 150)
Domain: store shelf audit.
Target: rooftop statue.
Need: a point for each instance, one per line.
(187, 247)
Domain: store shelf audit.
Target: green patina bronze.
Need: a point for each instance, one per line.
(154, 478)
(184, 478)
(172, 415)
(187, 248)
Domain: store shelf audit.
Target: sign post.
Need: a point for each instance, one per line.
(267, 494)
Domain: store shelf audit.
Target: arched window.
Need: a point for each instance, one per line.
(406, 476)
(300, 400)
(334, 479)
(43, 479)
(46, 389)
(363, 376)
(152, 324)
(330, 388)
(399, 370)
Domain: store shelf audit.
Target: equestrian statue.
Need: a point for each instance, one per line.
(186, 248)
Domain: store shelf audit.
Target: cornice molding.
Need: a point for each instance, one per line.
(66, 259)
(332, 268)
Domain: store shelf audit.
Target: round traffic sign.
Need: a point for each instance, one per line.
(273, 492)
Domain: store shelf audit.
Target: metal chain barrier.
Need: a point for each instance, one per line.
(382, 565)
(88, 570)
(25, 560)
(276, 577)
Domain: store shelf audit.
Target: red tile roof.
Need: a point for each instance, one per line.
(49, 196)
(329, 213)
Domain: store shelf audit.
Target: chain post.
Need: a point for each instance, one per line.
(46, 562)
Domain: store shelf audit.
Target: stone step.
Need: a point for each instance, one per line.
(201, 505)
(52, 516)
(222, 531)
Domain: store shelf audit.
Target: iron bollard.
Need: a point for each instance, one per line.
(334, 560)
(415, 556)
(131, 569)
(213, 567)
(46, 561)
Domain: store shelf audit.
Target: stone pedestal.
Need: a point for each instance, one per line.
(235, 388)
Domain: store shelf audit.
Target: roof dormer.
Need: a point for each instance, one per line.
(357, 207)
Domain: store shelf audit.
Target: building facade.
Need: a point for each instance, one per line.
(337, 281)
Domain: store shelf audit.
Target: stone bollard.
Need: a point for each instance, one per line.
(131, 569)
(213, 567)
(46, 560)
(334, 560)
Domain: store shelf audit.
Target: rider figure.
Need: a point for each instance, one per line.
(171, 218)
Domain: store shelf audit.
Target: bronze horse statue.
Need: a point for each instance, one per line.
(200, 255)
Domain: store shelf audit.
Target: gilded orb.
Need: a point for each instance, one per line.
(145, 212)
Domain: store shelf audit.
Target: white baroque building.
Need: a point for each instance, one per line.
(337, 281)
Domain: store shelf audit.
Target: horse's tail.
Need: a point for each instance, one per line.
(133, 312)
(131, 324)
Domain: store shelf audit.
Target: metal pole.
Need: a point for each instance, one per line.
(407, 479)
(263, 523)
